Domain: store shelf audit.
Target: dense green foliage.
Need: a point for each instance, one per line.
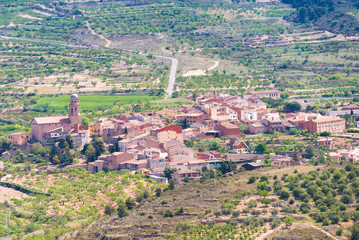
(310, 10)
(325, 189)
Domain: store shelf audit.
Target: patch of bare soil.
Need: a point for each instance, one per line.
(6, 194)
(301, 231)
(43, 13)
(200, 72)
(29, 17)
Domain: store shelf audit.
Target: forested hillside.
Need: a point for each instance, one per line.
(326, 14)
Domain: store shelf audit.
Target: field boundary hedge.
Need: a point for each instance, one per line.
(23, 189)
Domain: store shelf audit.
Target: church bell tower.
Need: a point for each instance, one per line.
(74, 110)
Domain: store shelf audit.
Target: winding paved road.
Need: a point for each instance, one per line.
(172, 78)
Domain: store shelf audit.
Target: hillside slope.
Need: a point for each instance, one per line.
(201, 203)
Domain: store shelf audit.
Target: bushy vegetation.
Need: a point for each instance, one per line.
(310, 10)
(228, 231)
(26, 60)
(74, 198)
(327, 195)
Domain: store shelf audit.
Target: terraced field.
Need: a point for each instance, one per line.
(250, 41)
(69, 199)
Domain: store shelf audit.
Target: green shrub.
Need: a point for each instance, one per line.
(122, 211)
(275, 222)
(339, 232)
(251, 180)
(168, 213)
(232, 222)
(252, 203)
(235, 214)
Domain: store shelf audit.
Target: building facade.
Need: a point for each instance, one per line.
(325, 123)
(20, 138)
(43, 128)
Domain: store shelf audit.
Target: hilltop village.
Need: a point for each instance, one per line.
(186, 142)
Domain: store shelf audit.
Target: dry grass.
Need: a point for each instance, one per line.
(300, 231)
(6, 194)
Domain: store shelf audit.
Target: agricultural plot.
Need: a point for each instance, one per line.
(220, 208)
(250, 40)
(50, 68)
(68, 200)
(89, 102)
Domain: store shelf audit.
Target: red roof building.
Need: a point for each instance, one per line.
(174, 128)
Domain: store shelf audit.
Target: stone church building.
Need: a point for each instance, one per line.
(43, 128)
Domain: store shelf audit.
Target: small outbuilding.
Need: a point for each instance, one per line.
(251, 166)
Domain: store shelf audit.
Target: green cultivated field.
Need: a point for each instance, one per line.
(89, 102)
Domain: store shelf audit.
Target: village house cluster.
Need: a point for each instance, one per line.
(156, 140)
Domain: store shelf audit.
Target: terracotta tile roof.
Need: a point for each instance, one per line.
(47, 120)
(18, 133)
(135, 162)
(240, 142)
(177, 129)
(257, 125)
(228, 125)
(327, 119)
(124, 156)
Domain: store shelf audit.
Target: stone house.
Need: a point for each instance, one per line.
(198, 165)
(208, 155)
(180, 175)
(228, 130)
(328, 143)
(191, 117)
(133, 165)
(19, 138)
(112, 160)
(170, 132)
(350, 155)
(81, 138)
(280, 162)
(273, 124)
(180, 153)
(256, 127)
